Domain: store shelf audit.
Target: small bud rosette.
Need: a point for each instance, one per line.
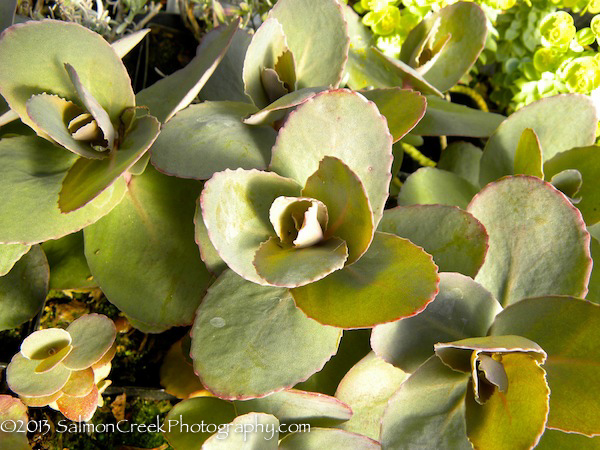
(65, 369)
(303, 226)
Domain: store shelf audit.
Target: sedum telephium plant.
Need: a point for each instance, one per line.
(478, 288)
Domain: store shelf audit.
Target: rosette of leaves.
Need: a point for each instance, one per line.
(65, 369)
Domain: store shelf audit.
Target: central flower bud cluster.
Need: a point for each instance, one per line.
(299, 221)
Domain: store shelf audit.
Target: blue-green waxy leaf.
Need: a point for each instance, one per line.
(184, 430)
(366, 388)
(23, 289)
(349, 213)
(208, 252)
(538, 244)
(461, 309)
(280, 107)
(560, 123)
(249, 340)
(568, 330)
(173, 93)
(294, 406)
(68, 266)
(210, 137)
(152, 228)
(428, 410)
(268, 44)
(13, 411)
(9, 255)
(462, 159)
(342, 124)
(402, 108)
(444, 118)
(88, 178)
(235, 209)
(528, 156)
(569, 182)
(51, 114)
(317, 35)
(457, 241)
(31, 213)
(514, 417)
(445, 45)
(354, 298)
(127, 43)
(586, 160)
(34, 54)
(327, 438)
(411, 78)
(553, 439)
(431, 186)
(286, 266)
(226, 83)
(252, 431)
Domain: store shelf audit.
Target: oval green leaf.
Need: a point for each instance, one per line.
(394, 279)
(42, 344)
(93, 335)
(249, 340)
(327, 438)
(68, 266)
(538, 241)
(252, 431)
(13, 411)
(22, 378)
(9, 255)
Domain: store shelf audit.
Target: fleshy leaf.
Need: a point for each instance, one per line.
(431, 186)
(243, 332)
(553, 439)
(68, 266)
(327, 438)
(41, 401)
(444, 118)
(528, 156)
(268, 43)
(587, 161)
(411, 78)
(538, 244)
(464, 27)
(567, 329)
(353, 297)
(456, 240)
(7, 16)
(298, 221)
(402, 108)
(93, 335)
(239, 229)
(13, 411)
(23, 290)
(53, 360)
(127, 43)
(193, 412)
(79, 409)
(208, 252)
(244, 433)
(515, 418)
(88, 178)
(45, 343)
(461, 309)
(226, 83)
(457, 354)
(560, 123)
(569, 182)
(428, 410)
(22, 378)
(366, 389)
(462, 158)
(279, 108)
(210, 137)
(49, 44)
(317, 35)
(31, 214)
(9, 255)
(328, 124)
(594, 285)
(294, 406)
(93, 107)
(177, 374)
(151, 228)
(287, 266)
(80, 384)
(51, 114)
(349, 210)
(173, 93)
